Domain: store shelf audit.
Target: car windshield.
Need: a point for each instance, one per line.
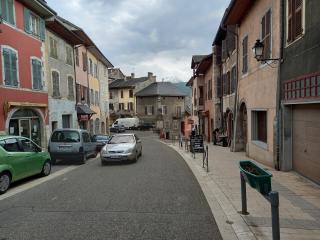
(101, 137)
(65, 136)
(121, 139)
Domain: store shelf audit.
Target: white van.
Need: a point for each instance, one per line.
(128, 123)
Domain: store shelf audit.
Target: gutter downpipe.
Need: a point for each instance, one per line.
(278, 146)
(236, 96)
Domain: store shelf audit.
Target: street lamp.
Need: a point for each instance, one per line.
(258, 50)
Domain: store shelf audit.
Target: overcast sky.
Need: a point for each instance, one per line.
(141, 36)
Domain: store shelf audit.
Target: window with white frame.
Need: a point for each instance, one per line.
(10, 66)
(34, 25)
(295, 19)
(7, 11)
(55, 76)
(164, 110)
(36, 66)
(266, 34)
(149, 110)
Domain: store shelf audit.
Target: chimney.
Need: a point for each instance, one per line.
(150, 74)
(132, 75)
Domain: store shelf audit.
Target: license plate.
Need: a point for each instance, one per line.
(65, 148)
(115, 157)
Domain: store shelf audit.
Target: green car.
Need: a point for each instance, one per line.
(20, 158)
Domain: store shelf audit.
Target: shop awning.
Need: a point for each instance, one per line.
(84, 109)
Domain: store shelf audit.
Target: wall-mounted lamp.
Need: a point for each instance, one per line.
(258, 50)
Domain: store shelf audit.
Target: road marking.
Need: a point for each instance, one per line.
(35, 183)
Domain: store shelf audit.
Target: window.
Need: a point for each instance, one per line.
(54, 125)
(96, 98)
(295, 19)
(131, 93)
(149, 110)
(77, 56)
(84, 62)
(28, 145)
(175, 124)
(70, 88)
(33, 24)
(69, 55)
(233, 79)
(10, 67)
(95, 70)
(266, 34)
(178, 111)
(121, 93)
(226, 83)
(55, 84)
(121, 106)
(66, 121)
(91, 96)
(11, 145)
(111, 107)
(36, 74)
(219, 87)
(65, 136)
(110, 95)
(53, 48)
(259, 126)
(209, 89)
(130, 106)
(7, 11)
(97, 126)
(164, 110)
(90, 67)
(245, 55)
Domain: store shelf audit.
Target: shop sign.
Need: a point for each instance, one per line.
(84, 117)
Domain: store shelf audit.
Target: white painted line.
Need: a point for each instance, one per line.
(24, 187)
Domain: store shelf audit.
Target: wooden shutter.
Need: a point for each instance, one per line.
(146, 110)
(70, 88)
(245, 55)
(219, 87)
(42, 29)
(7, 65)
(290, 21)
(36, 73)
(26, 13)
(84, 61)
(13, 68)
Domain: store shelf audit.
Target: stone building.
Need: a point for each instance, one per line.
(59, 62)
(162, 104)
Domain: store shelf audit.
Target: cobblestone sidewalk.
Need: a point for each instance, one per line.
(299, 198)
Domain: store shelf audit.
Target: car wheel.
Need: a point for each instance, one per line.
(140, 153)
(46, 169)
(5, 180)
(136, 157)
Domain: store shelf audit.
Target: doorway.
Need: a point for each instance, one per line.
(243, 139)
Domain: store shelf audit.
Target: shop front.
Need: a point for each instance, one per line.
(84, 114)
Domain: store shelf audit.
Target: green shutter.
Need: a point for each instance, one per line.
(42, 29)
(36, 73)
(27, 20)
(6, 60)
(4, 5)
(14, 70)
(10, 14)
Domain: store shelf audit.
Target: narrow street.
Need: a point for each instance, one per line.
(155, 198)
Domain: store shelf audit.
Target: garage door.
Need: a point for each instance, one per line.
(306, 140)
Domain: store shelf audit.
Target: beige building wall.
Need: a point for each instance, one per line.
(81, 75)
(257, 88)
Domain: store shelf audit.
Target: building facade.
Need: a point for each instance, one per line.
(300, 85)
(162, 104)
(59, 62)
(23, 86)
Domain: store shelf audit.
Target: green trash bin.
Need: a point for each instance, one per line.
(255, 176)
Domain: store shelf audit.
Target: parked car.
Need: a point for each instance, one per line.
(100, 141)
(20, 157)
(121, 147)
(128, 123)
(145, 126)
(71, 144)
(118, 129)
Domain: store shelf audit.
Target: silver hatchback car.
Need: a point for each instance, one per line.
(121, 147)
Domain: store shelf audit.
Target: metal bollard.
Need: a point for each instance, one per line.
(243, 196)
(207, 156)
(274, 200)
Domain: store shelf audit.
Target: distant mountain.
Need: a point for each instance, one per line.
(183, 88)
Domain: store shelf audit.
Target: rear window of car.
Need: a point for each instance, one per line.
(121, 139)
(101, 137)
(65, 136)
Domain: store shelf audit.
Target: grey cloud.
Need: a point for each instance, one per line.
(140, 34)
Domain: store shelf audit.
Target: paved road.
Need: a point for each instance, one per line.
(155, 198)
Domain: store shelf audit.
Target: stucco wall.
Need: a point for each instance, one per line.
(257, 88)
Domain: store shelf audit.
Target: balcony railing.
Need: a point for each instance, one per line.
(302, 88)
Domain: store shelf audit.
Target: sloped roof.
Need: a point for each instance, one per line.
(196, 59)
(130, 83)
(161, 89)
